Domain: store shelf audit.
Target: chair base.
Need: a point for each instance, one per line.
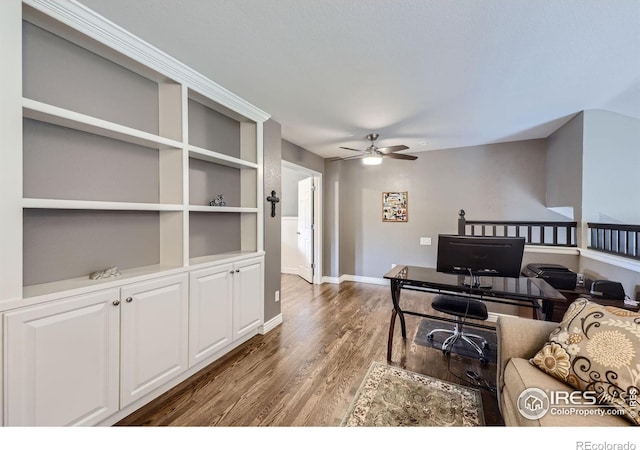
(456, 333)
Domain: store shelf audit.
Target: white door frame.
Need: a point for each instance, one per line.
(317, 217)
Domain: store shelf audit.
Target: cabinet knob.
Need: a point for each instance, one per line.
(237, 270)
(115, 302)
(231, 272)
(129, 299)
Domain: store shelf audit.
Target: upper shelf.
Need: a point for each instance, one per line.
(43, 203)
(43, 112)
(220, 158)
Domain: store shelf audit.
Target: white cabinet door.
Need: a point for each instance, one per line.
(62, 361)
(154, 335)
(248, 295)
(210, 311)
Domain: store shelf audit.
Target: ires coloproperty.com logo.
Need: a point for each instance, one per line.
(534, 403)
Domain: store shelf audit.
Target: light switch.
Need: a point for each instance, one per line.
(425, 241)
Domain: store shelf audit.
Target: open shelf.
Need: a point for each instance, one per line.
(219, 158)
(62, 73)
(221, 209)
(122, 149)
(63, 244)
(212, 234)
(78, 285)
(222, 257)
(44, 203)
(33, 109)
(114, 150)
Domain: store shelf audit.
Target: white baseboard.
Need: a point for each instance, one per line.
(356, 278)
(289, 270)
(332, 280)
(270, 324)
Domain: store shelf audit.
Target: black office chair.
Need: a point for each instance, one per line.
(462, 308)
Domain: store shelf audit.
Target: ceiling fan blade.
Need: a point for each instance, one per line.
(353, 149)
(392, 148)
(399, 156)
(353, 157)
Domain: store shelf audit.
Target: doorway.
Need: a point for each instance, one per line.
(301, 222)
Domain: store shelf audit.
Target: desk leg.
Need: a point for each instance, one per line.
(547, 309)
(540, 312)
(392, 324)
(396, 287)
(395, 297)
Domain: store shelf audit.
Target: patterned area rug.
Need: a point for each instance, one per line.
(394, 397)
(460, 347)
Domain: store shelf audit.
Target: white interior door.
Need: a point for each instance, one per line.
(305, 229)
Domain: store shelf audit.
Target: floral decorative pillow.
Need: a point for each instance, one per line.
(597, 348)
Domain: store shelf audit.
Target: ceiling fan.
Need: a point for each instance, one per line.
(373, 155)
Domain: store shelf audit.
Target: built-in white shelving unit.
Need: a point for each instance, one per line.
(120, 151)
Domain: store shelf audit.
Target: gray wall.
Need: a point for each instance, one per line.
(207, 181)
(272, 226)
(68, 164)
(214, 131)
(611, 177)
(65, 75)
(298, 155)
(611, 184)
(64, 244)
(597, 270)
(206, 230)
(564, 167)
(499, 182)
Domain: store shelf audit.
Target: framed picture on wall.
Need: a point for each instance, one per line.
(395, 206)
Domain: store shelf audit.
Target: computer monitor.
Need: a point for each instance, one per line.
(476, 256)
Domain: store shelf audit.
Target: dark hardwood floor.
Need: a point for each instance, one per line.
(307, 370)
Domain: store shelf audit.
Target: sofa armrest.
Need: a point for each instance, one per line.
(519, 337)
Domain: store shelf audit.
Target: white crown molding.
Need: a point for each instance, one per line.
(88, 22)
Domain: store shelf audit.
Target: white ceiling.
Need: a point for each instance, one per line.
(429, 74)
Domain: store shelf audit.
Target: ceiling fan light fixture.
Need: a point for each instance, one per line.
(372, 160)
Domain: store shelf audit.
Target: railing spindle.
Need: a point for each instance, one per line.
(522, 229)
(618, 239)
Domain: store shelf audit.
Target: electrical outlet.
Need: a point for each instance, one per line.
(425, 241)
(277, 296)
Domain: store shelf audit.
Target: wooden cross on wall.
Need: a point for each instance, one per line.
(273, 199)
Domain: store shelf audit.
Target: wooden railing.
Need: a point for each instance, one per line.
(617, 239)
(551, 233)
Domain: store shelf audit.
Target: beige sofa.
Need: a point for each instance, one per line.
(518, 340)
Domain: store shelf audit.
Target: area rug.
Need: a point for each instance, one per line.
(394, 397)
(460, 347)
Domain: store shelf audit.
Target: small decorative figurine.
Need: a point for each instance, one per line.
(106, 273)
(218, 201)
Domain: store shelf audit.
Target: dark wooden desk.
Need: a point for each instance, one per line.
(533, 293)
(572, 294)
